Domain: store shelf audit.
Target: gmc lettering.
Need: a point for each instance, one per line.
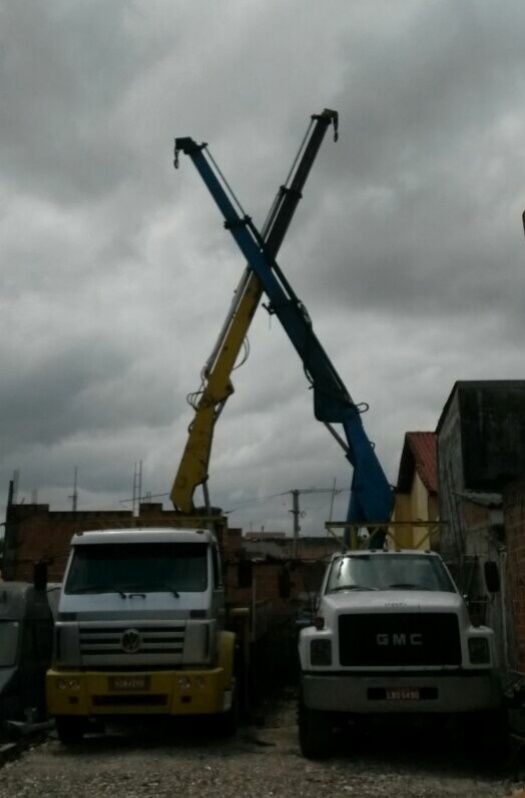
(400, 639)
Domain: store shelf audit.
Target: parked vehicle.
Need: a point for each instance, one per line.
(26, 639)
(141, 630)
(392, 635)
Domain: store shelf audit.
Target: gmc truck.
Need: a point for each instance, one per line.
(392, 636)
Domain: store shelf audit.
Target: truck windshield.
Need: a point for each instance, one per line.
(389, 572)
(8, 643)
(138, 568)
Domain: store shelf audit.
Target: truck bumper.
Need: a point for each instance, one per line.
(390, 693)
(180, 692)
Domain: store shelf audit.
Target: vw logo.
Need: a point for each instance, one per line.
(131, 641)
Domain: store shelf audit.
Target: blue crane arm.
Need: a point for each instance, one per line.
(371, 496)
(217, 386)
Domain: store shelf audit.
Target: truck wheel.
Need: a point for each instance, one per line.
(227, 723)
(315, 732)
(70, 729)
(487, 736)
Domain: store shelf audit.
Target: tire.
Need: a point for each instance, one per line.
(227, 723)
(487, 737)
(70, 729)
(315, 732)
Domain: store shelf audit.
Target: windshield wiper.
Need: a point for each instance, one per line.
(98, 591)
(350, 587)
(157, 589)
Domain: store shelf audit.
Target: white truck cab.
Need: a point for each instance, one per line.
(392, 634)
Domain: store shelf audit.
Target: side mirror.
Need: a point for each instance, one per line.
(492, 580)
(244, 573)
(40, 576)
(284, 584)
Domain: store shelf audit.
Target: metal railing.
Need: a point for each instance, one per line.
(396, 535)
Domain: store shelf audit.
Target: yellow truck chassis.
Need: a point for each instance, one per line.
(78, 694)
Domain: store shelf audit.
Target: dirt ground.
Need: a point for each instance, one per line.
(153, 760)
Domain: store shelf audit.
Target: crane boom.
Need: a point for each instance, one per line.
(217, 385)
(371, 496)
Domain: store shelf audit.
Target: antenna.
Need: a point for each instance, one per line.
(137, 488)
(16, 480)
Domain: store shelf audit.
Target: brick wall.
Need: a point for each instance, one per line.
(33, 533)
(305, 580)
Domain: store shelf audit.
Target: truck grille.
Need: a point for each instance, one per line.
(111, 641)
(399, 639)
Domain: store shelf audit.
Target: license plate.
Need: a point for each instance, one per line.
(129, 683)
(403, 694)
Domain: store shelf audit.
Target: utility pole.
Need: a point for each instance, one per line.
(296, 525)
(295, 511)
(14, 492)
(74, 495)
(137, 488)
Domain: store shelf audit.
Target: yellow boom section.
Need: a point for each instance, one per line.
(193, 468)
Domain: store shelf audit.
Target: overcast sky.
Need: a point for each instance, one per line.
(407, 248)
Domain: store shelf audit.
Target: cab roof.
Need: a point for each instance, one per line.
(142, 535)
(389, 552)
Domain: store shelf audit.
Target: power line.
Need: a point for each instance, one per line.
(254, 499)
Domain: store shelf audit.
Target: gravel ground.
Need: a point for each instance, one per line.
(152, 762)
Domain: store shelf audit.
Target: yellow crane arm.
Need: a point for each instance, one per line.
(193, 468)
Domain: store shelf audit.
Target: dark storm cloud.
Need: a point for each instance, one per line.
(425, 213)
(117, 273)
(63, 68)
(90, 387)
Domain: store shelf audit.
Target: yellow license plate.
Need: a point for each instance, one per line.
(129, 683)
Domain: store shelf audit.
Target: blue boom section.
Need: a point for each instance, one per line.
(371, 496)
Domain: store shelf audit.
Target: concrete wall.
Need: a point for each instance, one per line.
(481, 448)
(484, 543)
(450, 482)
(514, 572)
(493, 433)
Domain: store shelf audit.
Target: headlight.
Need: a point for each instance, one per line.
(321, 652)
(68, 684)
(479, 651)
(184, 682)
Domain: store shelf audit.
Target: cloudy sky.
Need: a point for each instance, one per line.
(407, 248)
